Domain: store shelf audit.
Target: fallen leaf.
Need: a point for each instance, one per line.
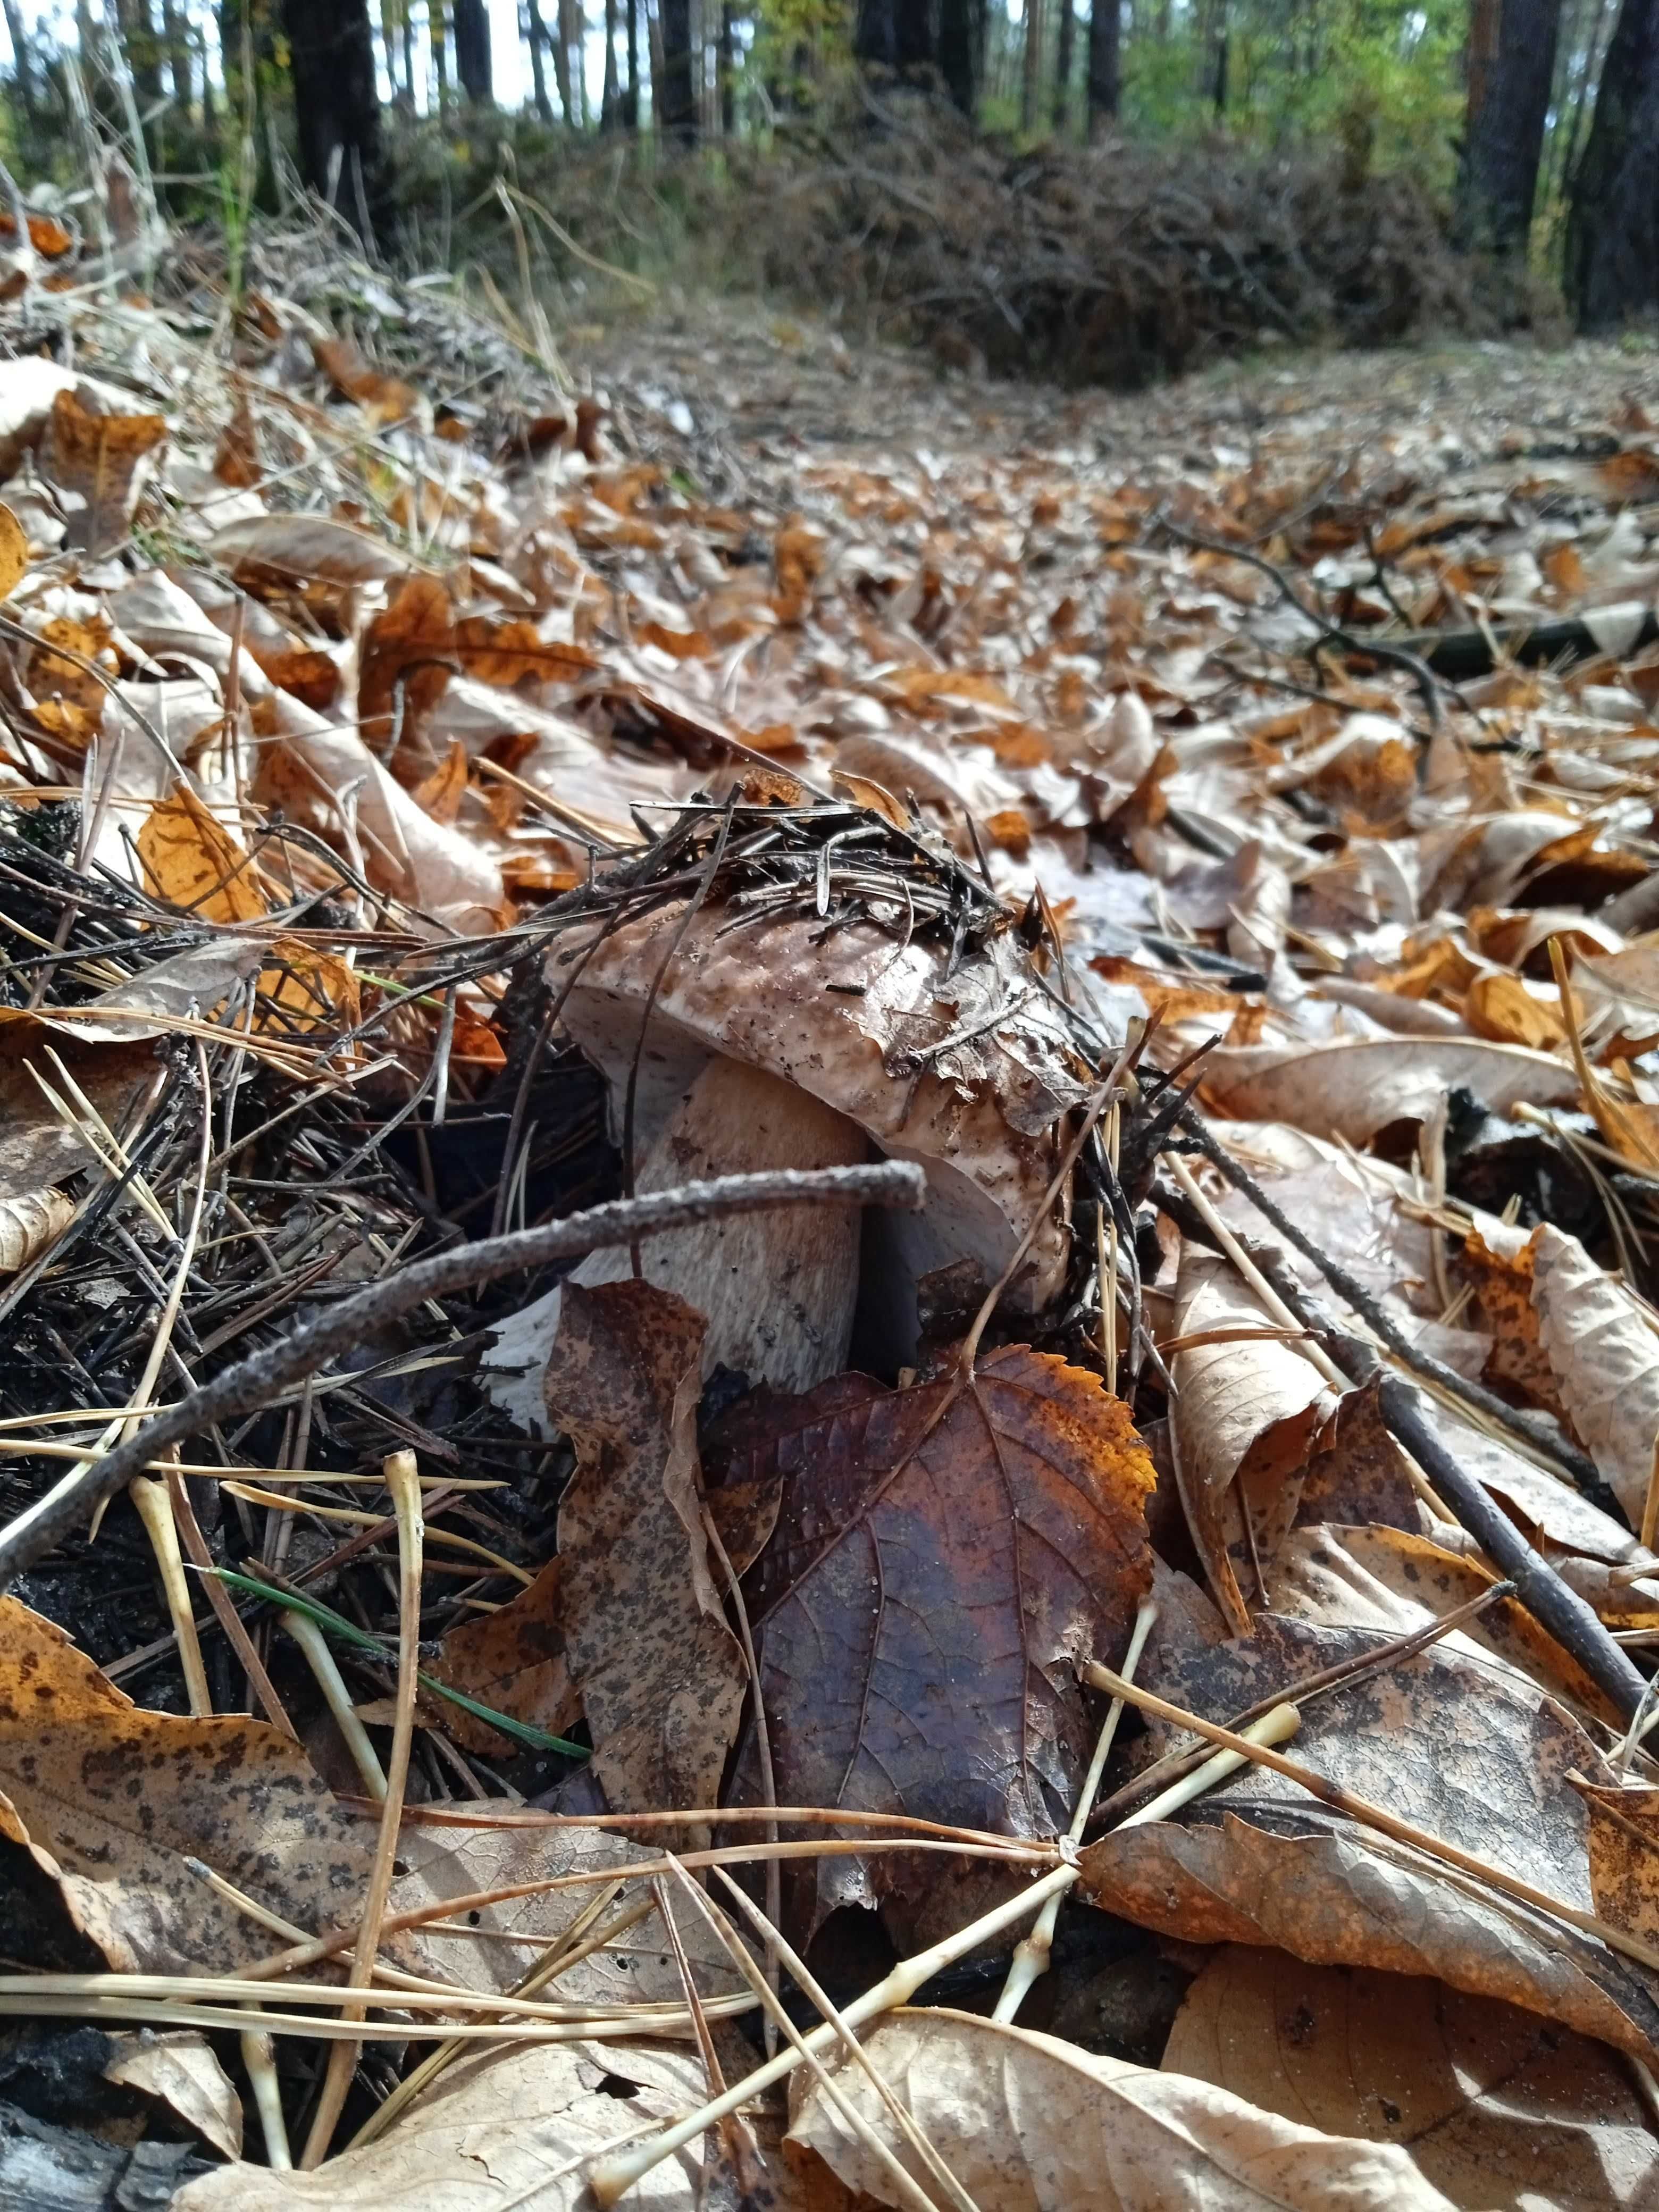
(28, 1224)
(1491, 2105)
(111, 1800)
(520, 2124)
(1029, 2124)
(1460, 1749)
(1605, 1357)
(1355, 1090)
(192, 861)
(404, 665)
(36, 1148)
(937, 1567)
(660, 1676)
(101, 459)
(303, 546)
(179, 2067)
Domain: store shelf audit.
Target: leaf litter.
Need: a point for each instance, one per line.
(1167, 890)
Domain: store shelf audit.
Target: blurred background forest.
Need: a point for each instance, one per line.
(1107, 192)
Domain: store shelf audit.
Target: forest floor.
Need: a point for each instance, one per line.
(771, 383)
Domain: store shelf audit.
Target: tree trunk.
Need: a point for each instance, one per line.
(1105, 63)
(409, 54)
(176, 31)
(439, 31)
(1063, 60)
(332, 53)
(961, 51)
(611, 99)
(728, 71)
(1031, 77)
(22, 56)
(894, 35)
(676, 98)
(142, 49)
(631, 107)
(538, 59)
(1512, 65)
(472, 19)
(561, 68)
(1613, 227)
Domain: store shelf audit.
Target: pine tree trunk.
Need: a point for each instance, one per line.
(631, 98)
(675, 97)
(1030, 81)
(1105, 63)
(439, 20)
(1613, 229)
(961, 51)
(22, 56)
(1063, 62)
(894, 35)
(472, 58)
(1511, 66)
(335, 107)
(142, 49)
(728, 71)
(538, 59)
(611, 99)
(176, 31)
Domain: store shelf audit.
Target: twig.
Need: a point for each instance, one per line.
(1580, 1471)
(1030, 1959)
(402, 1480)
(251, 1382)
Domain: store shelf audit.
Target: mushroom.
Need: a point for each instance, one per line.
(862, 1038)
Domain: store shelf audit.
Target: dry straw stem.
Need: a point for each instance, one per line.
(1373, 1816)
(253, 1381)
(403, 1480)
(611, 2177)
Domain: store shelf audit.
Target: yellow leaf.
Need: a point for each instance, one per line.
(196, 863)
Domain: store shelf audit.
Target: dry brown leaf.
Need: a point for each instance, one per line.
(660, 1676)
(516, 2126)
(29, 1223)
(939, 1565)
(1460, 1748)
(302, 547)
(179, 2067)
(1243, 1411)
(1493, 2106)
(1505, 1289)
(1605, 1357)
(1355, 1090)
(36, 1148)
(387, 398)
(101, 459)
(1029, 2124)
(1501, 1008)
(441, 792)
(110, 1800)
(404, 665)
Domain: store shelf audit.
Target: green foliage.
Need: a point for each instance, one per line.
(1379, 79)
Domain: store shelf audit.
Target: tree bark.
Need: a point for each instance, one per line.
(728, 70)
(611, 99)
(437, 23)
(538, 30)
(675, 97)
(335, 107)
(1613, 229)
(631, 97)
(22, 56)
(1105, 63)
(142, 49)
(1064, 52)
(1031, 79)
(961, 51)
(176, 31)
(472, 60)
(1511, 66)
(894, 35)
